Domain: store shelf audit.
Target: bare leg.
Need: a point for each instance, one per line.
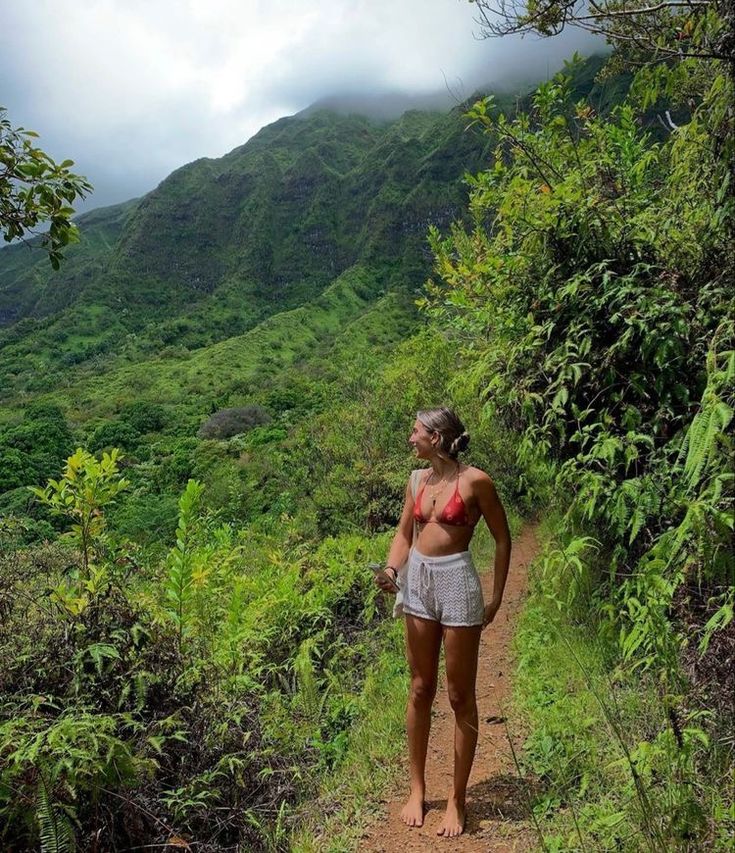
(461, 647)
(423, 641)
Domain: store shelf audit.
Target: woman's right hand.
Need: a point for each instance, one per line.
(387, 579)
(490, 611)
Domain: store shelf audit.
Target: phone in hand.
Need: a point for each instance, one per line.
(377, 569)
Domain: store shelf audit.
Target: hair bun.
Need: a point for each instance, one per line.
(459, 444)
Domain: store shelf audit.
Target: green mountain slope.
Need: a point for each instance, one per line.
(30, 288)
(157, 286)
(221, 245)
(224, 372)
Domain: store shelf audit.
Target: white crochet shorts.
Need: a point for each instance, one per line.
(444, 589)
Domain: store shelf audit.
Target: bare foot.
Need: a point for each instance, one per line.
(413, 812)
(453, 823)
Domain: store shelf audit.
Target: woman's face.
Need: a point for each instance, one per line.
(421, 441)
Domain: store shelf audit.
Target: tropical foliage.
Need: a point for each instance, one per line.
(593, 294)
(35, 190)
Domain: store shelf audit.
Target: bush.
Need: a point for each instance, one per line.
(144, 417)
(12, 468)
(146, 518)
(115, 434)
(34, 449)
(229, 422)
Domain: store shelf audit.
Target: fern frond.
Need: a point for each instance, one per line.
(303, 666)
(55, 830)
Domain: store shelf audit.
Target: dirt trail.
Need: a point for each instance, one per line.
(497, 820)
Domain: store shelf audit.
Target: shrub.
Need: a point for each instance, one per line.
(229, 422)
(146, 518)
(144, 417)
(12, 468)
(33, 450)
(115, 434)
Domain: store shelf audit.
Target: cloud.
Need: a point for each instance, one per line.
(131, 89)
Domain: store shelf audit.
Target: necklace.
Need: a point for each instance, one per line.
(439, 488)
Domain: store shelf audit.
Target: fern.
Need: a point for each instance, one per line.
(707, 434)
(55, 830)
(702, 433)
(181, 560)
(303, 667)
(719, 620)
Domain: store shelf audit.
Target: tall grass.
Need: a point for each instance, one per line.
(623, 764)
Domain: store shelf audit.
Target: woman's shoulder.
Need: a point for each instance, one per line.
(474, 475)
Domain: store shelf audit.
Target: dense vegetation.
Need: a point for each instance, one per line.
(598, 312)
(193, 648)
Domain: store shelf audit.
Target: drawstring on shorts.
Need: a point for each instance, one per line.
(424, 578)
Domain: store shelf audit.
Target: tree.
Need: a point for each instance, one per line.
(652, 29)
(229, 422)
(34, 189)
(87, 487)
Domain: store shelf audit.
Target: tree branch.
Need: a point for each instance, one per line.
(645, 10)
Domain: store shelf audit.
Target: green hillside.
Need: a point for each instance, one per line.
(223, 244)
(255, 279)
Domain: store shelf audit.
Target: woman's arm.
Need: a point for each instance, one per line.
(401, 545)
(497, 521)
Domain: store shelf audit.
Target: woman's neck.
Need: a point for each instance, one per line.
(443, 468)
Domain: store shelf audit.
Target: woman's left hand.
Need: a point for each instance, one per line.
(490, 611)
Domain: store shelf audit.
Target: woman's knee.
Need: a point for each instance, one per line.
(422, 691)
(462, 701)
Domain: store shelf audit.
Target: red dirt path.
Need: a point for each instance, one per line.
(497, 814)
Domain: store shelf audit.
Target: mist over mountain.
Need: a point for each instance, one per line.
(391, 104)
(382, 107)
(223, 245)
(174, 81)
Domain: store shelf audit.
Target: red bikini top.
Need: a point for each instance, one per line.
(454, 512)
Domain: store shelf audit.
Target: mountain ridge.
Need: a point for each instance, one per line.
(222, 244)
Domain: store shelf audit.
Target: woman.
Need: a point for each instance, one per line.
(442, 597)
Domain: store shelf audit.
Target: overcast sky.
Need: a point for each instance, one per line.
(132, 89)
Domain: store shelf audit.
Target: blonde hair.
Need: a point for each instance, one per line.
(453, 438)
